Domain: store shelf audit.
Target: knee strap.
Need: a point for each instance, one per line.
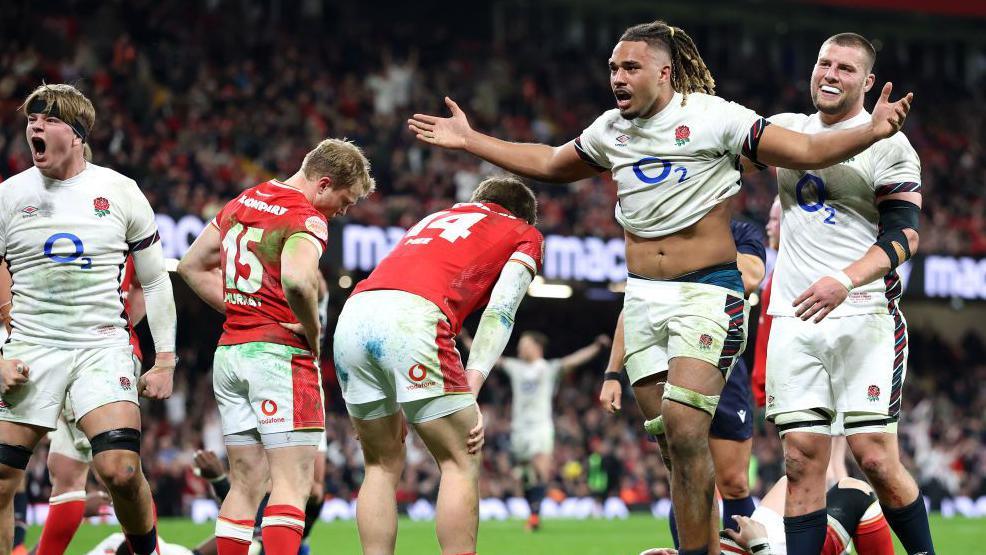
(655, 426)
(818, 421)
(127, 439)
(15, 456)
(694, 399)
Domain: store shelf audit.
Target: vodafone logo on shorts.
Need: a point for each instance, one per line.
(417, 373)
(268, 407)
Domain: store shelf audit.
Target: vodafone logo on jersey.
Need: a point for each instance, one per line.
(268, 407)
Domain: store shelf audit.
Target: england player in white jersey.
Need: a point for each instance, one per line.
(838, 343)
(533, 382)
(673, 149)
(66, 228)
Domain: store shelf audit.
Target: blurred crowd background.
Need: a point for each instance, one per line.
(198, 105)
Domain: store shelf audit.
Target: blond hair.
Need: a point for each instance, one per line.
(65, 101)
(344, 162)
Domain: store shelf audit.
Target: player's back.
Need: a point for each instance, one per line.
(454, 257)
(253, 228)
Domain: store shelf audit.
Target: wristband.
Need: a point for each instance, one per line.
(759, 546)
(842, 278)
(611, 376)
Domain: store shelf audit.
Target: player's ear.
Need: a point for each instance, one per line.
(324, 183)
(868, 82)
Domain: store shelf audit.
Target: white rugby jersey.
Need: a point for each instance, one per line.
(674, 167)
(67, 244)
(533, 385)
(829, 217)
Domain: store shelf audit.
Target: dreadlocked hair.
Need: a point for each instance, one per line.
(688, 71)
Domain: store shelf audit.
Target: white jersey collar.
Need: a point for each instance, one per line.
(672, 107)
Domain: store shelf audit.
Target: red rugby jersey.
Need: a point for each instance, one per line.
(454, 257)
(253, 228)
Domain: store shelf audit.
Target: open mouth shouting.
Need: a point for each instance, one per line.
(38, 148)
(623, 98)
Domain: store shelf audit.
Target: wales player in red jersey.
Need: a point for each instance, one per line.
(396, 359)
(258, 263)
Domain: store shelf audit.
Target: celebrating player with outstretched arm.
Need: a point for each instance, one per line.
(396, 358)
(672, 148)
(69, 338)
(258, 263)
(838, 342)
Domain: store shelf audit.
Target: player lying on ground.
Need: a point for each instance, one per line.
(397, 362)
(258, 263)
(853, 515)
(673, 148)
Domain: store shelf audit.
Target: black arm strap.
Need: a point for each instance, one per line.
(896, 216)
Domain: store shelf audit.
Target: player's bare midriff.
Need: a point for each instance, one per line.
(705, 243)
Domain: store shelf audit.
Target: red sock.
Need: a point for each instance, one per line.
(233, 537)
(873, 537)
(65, 514)
(281, 528)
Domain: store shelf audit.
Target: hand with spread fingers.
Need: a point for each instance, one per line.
(451, 132)
(749, 531)
(888, 117)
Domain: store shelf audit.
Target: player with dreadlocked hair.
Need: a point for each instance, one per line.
(688, 71)
(675, 164)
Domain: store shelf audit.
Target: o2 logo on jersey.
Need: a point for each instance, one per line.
(805, 185)
(59, 239)
(666, 170)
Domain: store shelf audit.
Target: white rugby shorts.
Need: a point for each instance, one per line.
(853, 365)
(667, 319)
(92, 377)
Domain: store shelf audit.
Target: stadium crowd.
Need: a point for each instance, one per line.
(198, 107)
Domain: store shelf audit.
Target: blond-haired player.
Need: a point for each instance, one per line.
(258, 263)
(66, 228)
(673, 147)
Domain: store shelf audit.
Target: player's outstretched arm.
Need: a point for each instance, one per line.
(299, 280)
(611, 395)
(897, 242)
(559, 164)
(159, 301)
(200, 268)
(789, 149)
(497, 322)
(585, 354)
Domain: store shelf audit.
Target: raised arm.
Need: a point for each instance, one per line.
(497, 322)
(789, 149)
(299, 280)
(200, 268)
(585, 354)
(560, 164)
